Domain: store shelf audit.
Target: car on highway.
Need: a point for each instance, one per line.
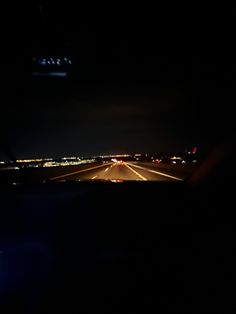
(157, 161)
(64, 242)
(120, 162)
(117, 180)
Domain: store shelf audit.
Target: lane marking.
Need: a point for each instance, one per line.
(94, 177)
(159, 173)
(75, 172)
(137, 174)
(106, 169)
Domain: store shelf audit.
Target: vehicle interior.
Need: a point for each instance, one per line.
(115, 245)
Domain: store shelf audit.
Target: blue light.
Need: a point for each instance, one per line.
(42, 61)
(51, 74)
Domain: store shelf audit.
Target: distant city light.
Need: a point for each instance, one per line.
(29, 160)
(111, 156)
(71, 158)
(175, 158)
(67, 163)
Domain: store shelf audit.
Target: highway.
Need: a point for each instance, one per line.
(123, 171)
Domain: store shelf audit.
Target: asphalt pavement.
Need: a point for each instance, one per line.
(123, 171)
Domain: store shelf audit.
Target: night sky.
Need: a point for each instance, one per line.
(142, 80)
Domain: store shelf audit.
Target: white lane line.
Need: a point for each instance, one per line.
(135, 172)
(166, 175)
(106, 169)
(94, 177)
(75, 172)
(158, 172)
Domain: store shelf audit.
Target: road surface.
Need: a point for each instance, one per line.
(121, 171)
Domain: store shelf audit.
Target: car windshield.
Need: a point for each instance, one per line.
(119, 96)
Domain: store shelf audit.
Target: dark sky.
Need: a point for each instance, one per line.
(143, 80)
